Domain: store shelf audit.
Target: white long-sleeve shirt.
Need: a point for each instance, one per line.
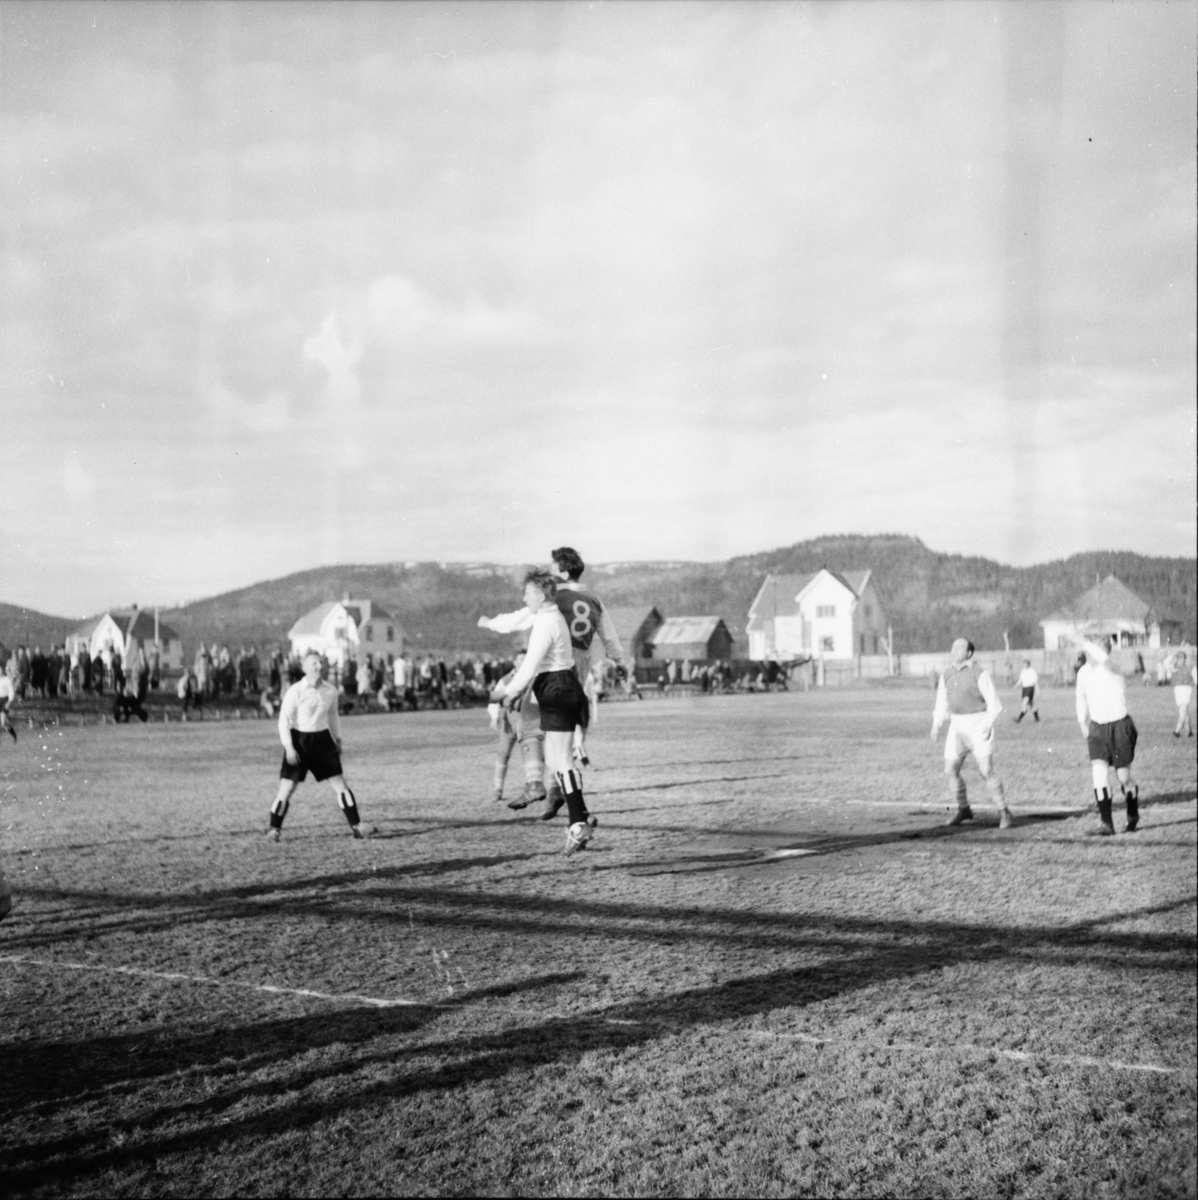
(309, 709)
(549, 649)
(1101, 696)
(521, 619)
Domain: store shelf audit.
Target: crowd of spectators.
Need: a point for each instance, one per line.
(76, 672)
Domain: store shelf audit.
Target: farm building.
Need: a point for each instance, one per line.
(1110, 609)
(344, 629)
(828, 615)
(112, 631)
(692, 639)
(635, 628)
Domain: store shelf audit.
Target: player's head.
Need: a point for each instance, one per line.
(568, 562)
(312, 664)
(1106, 643)
(962, 650)
(1027, 662)
(539, 587)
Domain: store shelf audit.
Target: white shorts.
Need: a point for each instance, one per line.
(967, 734)
(1183, 693)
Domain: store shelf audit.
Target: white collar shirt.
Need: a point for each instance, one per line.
(309, 709)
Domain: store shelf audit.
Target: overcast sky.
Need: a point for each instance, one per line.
(289, 284)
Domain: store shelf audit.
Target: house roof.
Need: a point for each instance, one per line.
(311, 621)
(139, 623)
(676, 631)
(135, 622)
(1109, 600)
(787, 589)
(629, 621)
(374, 613)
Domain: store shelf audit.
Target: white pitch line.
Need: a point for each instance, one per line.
(180, 977)
(1031, 810)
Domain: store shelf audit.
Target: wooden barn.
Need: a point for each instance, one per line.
(692, 639)
(636, 627)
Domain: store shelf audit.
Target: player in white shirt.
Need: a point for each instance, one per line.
(1109, 731)
(8, 694)
(587, 619)
(310, 730)
(1028, 679)
(549, 667)
(965, 697)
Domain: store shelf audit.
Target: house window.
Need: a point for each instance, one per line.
(370, 633)
(827, 644)
(825, 610)
(390, 633)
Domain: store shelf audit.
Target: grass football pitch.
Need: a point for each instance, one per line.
(775, 972)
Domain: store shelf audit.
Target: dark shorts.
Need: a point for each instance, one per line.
(317, 752)
(562, 700)
(1113, 743)
(1028, 693)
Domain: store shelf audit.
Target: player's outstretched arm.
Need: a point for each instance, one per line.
(512, 622)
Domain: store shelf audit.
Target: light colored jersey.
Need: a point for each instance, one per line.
(1028, 677)
(7, 691)
(549, 649)
(1101, 695)
(309, 709)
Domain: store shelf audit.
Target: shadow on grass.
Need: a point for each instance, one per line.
(354, 1077)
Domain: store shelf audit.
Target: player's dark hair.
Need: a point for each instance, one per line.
(968, 648)
(569, 561)
(542, 580)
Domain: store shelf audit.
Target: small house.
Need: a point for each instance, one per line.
(635, 628)
(345, 629)
(112, 632)
(1109, 609)
(692, 639)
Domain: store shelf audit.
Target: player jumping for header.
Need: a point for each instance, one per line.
(585, 617)
(549, 667)
(310, 730)
(965, 696)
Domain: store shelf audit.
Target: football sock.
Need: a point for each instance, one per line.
(278, 810)
(957, 793)
(349, 806)
(533, 751)
(996, 792)
(571, 785)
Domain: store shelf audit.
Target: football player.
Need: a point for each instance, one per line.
(310, 730)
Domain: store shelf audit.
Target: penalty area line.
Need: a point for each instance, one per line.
(180, 977)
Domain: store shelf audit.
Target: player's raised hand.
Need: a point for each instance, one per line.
(484, 622)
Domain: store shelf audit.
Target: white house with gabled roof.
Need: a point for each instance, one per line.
(344, 629)
(826, 615)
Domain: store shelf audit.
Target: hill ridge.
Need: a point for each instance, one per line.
(929, 595)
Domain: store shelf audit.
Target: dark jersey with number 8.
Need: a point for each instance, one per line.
(581, 611)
